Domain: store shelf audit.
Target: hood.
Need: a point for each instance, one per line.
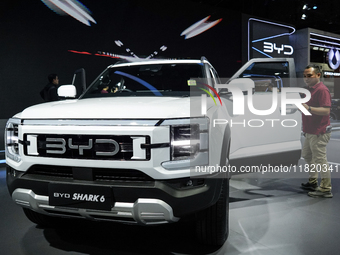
(112, 108)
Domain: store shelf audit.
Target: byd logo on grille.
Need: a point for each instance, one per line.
(59, 146)
(71, 146)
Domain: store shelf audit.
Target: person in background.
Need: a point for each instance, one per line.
(316, 128)
(104, 89)
(49, 92)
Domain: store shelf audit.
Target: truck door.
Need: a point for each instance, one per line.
(266, 139)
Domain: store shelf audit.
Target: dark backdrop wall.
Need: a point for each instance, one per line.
(35, 41)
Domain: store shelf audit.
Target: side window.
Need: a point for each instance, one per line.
(268, 75)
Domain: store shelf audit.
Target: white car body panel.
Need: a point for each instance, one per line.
(246, 141)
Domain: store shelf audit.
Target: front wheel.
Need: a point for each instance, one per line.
(212, 228)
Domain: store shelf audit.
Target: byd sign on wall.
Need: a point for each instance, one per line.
(269, 39)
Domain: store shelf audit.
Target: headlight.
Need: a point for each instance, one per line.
(12, 139)
(189, 143)
(185, 141)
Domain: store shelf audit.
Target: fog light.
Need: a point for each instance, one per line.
(189, 183)
(185, 183)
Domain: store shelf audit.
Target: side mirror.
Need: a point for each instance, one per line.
(67, 91)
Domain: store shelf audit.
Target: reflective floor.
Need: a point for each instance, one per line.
(267, 216)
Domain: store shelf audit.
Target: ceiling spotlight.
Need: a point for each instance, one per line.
(321, 49)
(327, 50)
(304, 16)
(315, 48)
(306, 7)
(315, 7)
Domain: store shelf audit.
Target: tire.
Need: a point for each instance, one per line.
(212, 227)
(41, 219)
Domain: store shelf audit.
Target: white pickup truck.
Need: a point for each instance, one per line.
(135, 146)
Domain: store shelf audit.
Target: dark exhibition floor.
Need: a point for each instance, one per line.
(267, 216)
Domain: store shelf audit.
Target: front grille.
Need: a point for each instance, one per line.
(90, 174)
(100, 147)
(51, 171)
(120, 175)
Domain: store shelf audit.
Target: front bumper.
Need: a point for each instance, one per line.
(144, 203)
(143, 211)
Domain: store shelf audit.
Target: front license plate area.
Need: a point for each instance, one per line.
(80, 196)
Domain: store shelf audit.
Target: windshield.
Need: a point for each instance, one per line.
(146, 80)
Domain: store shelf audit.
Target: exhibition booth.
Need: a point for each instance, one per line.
(267, 214)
